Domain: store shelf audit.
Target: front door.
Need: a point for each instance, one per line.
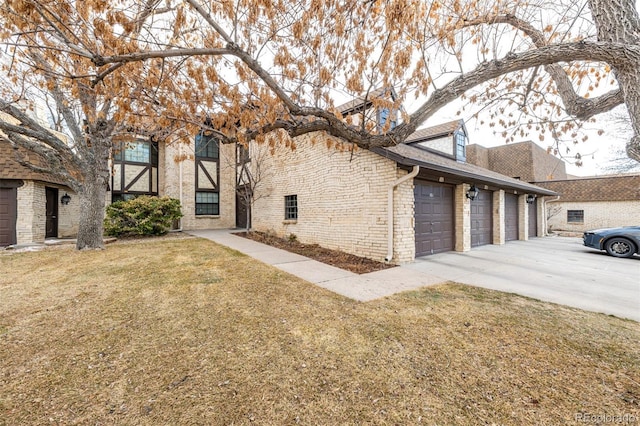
(51, 225)
(243, 213)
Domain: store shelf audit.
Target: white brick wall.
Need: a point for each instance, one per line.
(30, 223)
(342, 199)
(31, 220)
(169, 184)
(462, 207)
(597, 214)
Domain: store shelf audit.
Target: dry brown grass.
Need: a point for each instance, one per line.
(179, 332)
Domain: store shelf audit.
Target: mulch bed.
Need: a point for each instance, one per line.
(339, 259)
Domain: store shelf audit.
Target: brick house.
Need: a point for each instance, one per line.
(582, 203)
(396, 203)
(33, 206)
(418, 198)
(594, 202)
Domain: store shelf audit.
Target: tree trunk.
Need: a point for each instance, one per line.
(93, 194)
(92, 203)
(618, 21)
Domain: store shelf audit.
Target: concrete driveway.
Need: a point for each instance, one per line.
(554, 269)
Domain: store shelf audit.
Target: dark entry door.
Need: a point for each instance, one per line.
(434, 223)
(533, 219)
(241, 208)
(481, 223)
(511, 217)
(51, 225)
(8, 215)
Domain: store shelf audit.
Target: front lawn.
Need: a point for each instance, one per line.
(183, 331)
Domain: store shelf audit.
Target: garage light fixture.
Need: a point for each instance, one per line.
(472, 193)
(531, 198)
(65, 199)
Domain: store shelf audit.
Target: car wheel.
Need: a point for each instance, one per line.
(620, 247)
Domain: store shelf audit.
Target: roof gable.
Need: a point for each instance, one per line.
(444, 129)
(364, 102)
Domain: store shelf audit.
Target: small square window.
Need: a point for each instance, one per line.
(291, 207)
(575, 216)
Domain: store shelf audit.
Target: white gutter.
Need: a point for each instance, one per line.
(404, 178)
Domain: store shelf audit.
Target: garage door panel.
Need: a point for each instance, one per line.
(8, 214)
(511, 217)
(434, 222)
(481, 219)
(533, 219)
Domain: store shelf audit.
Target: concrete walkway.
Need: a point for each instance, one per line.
(362, 287)
(553, 269)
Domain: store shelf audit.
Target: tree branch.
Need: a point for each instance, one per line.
(576, 105)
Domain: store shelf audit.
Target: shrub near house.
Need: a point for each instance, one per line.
(143, 215)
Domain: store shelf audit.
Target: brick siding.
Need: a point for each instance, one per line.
(597, 214)
(342, 199)
(524, 160)
(169, 185)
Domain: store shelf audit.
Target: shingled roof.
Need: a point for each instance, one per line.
(412, 156)
(359, 101)
(10, 168)
(444, 129)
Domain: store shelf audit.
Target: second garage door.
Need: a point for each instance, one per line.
(510, 217)
(434, 221)
(481, 223)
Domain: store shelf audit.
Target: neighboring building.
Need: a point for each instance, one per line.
(521, 160)
(594, 202)
(583, 203)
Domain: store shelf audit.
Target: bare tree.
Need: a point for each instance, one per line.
(553, 210)
(252, 170)
(538, 67)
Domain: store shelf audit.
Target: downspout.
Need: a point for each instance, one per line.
(179, 229)
(404, 178)
(546, 220)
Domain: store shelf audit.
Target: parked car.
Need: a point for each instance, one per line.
(618, 242)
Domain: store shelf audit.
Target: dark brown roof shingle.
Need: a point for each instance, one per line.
(10, 168)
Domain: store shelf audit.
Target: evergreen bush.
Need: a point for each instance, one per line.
(144, 215)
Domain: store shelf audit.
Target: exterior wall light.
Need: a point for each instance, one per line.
(531, 198)
(472, 193)
(65, 199)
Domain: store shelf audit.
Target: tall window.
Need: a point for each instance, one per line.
(461, 140)
(291, 207)
(575, 216)
(135, 166)
(207, 150)
(207, 146)
(137, 152)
